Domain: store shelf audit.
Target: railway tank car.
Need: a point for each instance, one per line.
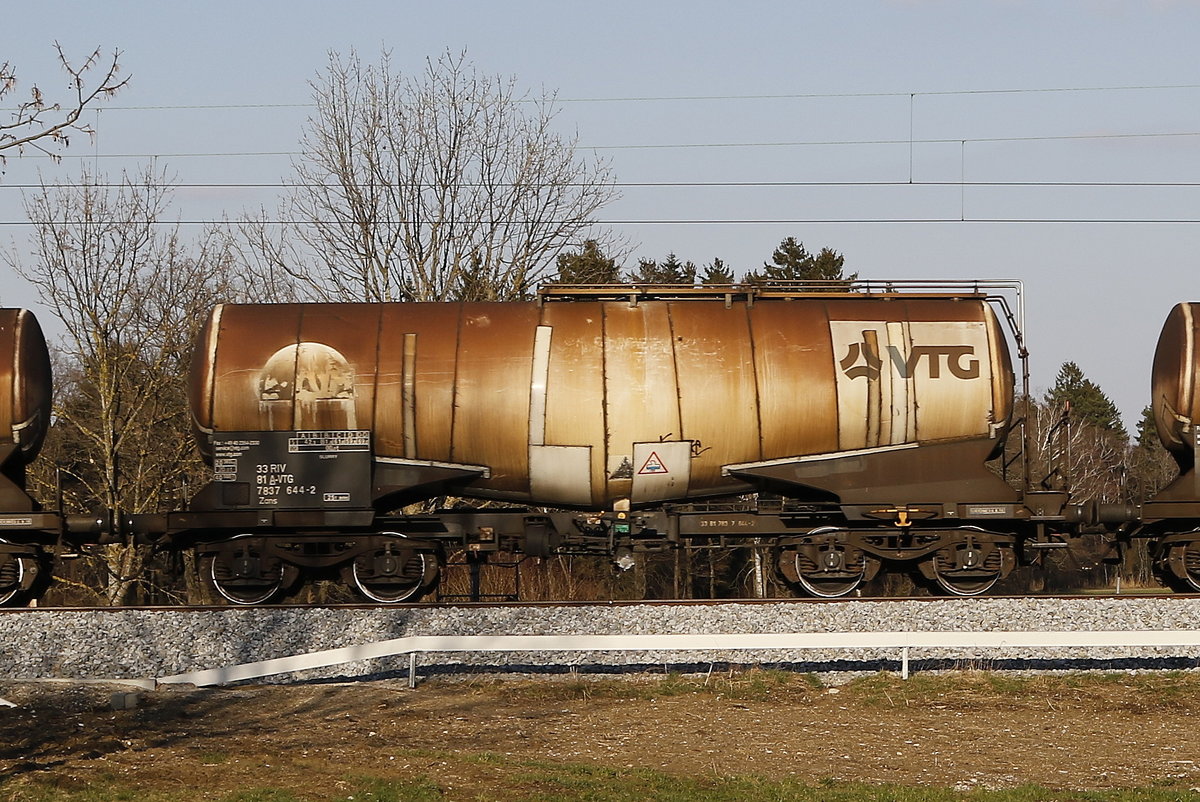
(1172, 517)
(26, 530)
(846, 430)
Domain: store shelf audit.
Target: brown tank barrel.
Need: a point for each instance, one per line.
(1175, 402)
(25, 384)
(581, 403)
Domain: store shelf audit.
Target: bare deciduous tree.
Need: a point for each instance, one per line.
(36, 122)
(130, 295)
(445, 185)
(1077, 454)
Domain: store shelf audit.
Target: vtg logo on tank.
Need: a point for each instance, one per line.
(911, 381)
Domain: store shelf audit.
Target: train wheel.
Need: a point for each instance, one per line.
(969, 568)
(394, 573)
(13, 572)
(825, 587)
(827, 569)
(1182, 572)
(244, 576)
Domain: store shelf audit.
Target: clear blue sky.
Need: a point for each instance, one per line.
(824, 95)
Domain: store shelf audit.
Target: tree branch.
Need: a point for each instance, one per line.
(29, 124)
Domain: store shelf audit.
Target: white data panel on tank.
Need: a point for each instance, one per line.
(661, 470)
(561, 474)
(901, 382)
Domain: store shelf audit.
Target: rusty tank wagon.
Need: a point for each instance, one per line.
(27, 531)
(1171, 518)
(848, 429)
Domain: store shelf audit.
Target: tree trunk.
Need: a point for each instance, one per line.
(712, 575)
(759, 575)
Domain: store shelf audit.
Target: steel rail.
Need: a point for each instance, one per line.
(437, 605)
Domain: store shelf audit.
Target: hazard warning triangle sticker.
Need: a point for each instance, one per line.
(653, 466)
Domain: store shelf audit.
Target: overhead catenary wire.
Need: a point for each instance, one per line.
(909, 142)
(959, 219)
(681, 145)
(709, 98)
(651, 184)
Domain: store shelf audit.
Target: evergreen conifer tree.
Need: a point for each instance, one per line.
(1089, 403)
(669, 271)
(791, 262)
(717, 272)
(588, 265)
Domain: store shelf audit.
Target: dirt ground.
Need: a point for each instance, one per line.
(964, 730)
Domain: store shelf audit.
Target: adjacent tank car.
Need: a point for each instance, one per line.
(1172, 517)
(848, 429)
(26, 530)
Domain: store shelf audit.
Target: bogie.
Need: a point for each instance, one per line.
(394, 572)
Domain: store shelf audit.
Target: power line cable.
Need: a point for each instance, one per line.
(690, 145)
(707, 98)
(700, 222)
(672, 184)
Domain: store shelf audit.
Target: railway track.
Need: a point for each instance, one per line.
(608, 603)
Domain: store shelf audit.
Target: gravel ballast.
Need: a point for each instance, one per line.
(145, 644)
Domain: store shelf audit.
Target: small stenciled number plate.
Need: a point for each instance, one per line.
(297, 470)
(990, 510)
(328, 442)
